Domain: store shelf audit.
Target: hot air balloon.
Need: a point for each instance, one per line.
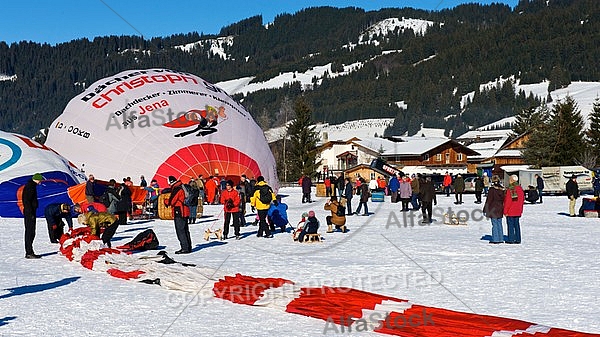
(20, 158)
(161, 123)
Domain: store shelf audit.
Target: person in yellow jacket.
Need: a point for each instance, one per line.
(261, 200)
(97, 220)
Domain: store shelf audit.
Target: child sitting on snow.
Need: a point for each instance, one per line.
(300, 226)
(311, 226)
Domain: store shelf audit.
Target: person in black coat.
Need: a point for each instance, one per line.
(494, 209)
(123, 205)
(364, 197)
(30, 205)
(348, 189)
(427, 191)
(89, 189)
(54, 214)
(306, 188)
(341, 183)
(572, 194)
(539, 185)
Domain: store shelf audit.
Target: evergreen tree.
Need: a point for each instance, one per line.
(593, 132)
(302, 155)
(527, 119)
(558, 141)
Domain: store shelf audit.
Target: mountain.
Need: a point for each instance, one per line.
(418, 67)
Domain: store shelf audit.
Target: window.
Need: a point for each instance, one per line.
(459, 157)
(438, 157)
(372, 176)
(426, 157)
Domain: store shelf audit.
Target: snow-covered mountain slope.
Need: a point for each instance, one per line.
(343, 131)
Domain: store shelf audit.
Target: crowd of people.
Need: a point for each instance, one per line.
(106, 212)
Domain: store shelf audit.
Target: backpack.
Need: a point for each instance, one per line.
(143, 241)
(265, 194)
(189, 196)
(340, 211)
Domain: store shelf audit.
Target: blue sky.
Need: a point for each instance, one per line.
(64, 20)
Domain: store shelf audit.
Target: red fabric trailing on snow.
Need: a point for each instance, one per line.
(245, 289)
(88, 259)
(126, 275)
(335, 304)
(435, 322)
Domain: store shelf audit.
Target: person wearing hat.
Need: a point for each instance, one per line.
(262, 206)
(572, 194)
(300, 226)
(310, 227)
(54, 214)
(486, 183)
(230, 198)
(494, 209)
(30, 205)
(180, 213)
(514, 200)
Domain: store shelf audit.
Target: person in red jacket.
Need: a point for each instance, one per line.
(230, 198)
(447, 183)
(180, 212)
(513, 209)
(210, 188)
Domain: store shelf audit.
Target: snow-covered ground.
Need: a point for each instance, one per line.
(550, 279)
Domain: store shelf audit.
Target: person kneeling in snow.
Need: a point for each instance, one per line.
(98, 220)
(277, 215)
(310, 227)
(338, 214)
(532, 195)
(54, 214)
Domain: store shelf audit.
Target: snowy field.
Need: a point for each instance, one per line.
(552, 278)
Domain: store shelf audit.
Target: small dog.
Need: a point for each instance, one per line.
(453, 219)
(218, 233)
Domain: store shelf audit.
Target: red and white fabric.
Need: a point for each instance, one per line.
(342, 306)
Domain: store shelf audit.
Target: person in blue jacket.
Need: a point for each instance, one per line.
(55, 213)
(277, 214)
(393, 186)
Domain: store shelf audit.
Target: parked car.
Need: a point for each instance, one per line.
(470, 184)
(438, 182)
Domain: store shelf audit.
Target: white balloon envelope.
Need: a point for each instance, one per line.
(161, 123)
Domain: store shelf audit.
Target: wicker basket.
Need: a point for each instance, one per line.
(164, 212)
